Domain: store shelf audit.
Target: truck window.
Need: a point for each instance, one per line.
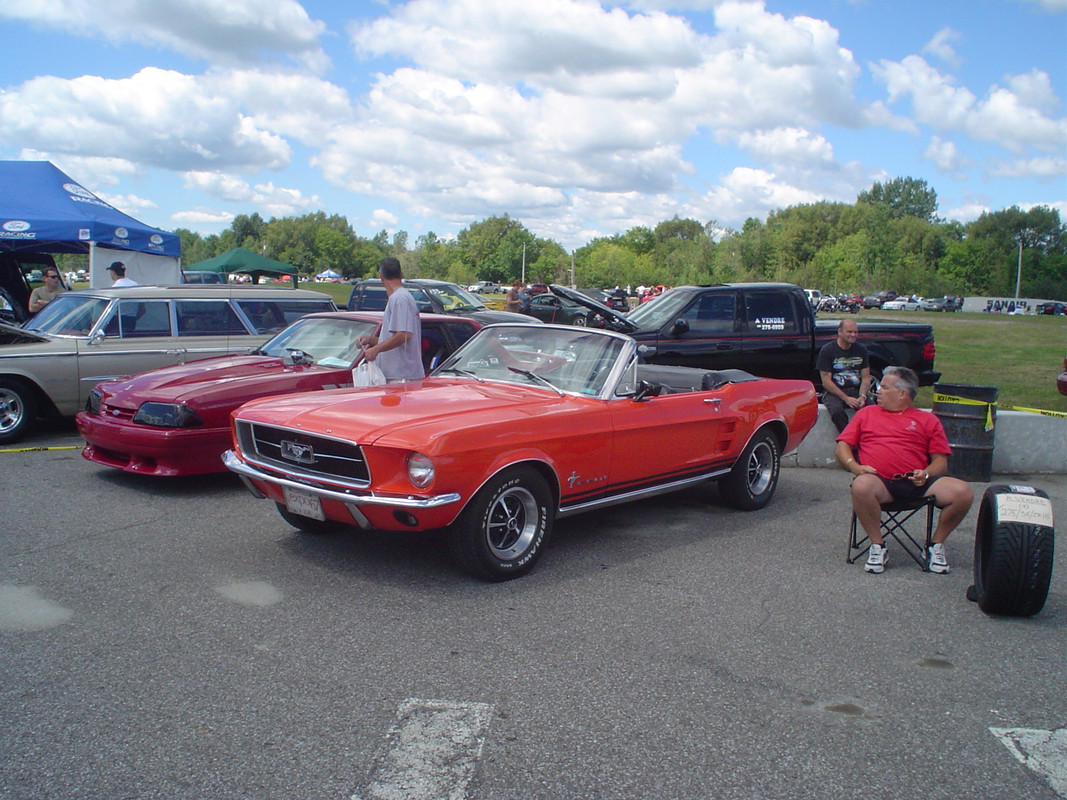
(769, 313)
(712, 313)
(371, 298)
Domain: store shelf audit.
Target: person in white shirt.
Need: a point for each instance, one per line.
(118, 275)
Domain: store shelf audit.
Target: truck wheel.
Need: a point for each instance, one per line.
(1013, 556)
(18, 410)
(751, 483)
(501, 533)
(307, 524)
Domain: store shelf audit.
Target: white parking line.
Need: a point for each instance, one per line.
(430, 753)
(1045, 752)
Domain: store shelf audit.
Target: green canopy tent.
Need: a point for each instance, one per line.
(247, 263)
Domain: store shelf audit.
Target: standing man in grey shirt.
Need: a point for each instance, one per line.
(399, 344)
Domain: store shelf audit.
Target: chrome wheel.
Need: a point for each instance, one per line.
(512, 523)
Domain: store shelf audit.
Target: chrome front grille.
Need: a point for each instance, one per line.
(299, 453)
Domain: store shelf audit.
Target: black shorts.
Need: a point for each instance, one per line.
(903, 489)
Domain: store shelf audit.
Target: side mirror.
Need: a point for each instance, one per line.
(646, 390)
(680, 326)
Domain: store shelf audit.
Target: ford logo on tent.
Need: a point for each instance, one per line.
(16, 226)
(77, 190)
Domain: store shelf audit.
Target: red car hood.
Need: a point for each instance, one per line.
(416, 415)
(226, 380)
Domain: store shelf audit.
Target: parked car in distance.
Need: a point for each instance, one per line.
(176, 420)
(612, 298)
(911, 303)
(586, 426)
(950, 302)
(431, 297)
(560, 310)
(1053, 307)
(48, 366)
(875, 300)
(484, 287)
(537, 288)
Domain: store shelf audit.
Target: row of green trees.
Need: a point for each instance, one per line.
(890, 238)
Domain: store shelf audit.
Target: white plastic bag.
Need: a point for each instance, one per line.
(367, 374)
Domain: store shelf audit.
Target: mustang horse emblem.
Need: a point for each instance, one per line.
(300, 453)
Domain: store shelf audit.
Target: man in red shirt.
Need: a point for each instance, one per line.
(899, 452)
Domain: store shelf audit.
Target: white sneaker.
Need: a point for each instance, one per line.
(938, 563)
(876, 558)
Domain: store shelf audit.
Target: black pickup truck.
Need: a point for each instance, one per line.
(767, 329)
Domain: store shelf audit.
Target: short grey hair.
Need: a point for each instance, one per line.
(906, 379)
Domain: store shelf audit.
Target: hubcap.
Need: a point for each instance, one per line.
(11, 411)
(760, 469)
(512, 523)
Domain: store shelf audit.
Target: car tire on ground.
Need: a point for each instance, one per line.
(18, 410)
(580, 321)
(1013, 557)
(753, 479)
(307, 524)
(502, 531)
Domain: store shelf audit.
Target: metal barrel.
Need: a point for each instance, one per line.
(968, 414)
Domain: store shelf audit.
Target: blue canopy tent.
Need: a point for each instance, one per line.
(42, 210)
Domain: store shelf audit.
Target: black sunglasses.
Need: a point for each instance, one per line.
(51, 275)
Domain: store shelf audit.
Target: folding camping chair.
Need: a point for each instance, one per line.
(895, 516)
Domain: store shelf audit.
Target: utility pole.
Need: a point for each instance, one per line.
(524, 263)
(1019, 270)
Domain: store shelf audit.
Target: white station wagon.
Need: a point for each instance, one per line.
(49, 365)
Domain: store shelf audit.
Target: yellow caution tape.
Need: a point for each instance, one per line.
(966, 401)
(39, 449)
(1042, 411)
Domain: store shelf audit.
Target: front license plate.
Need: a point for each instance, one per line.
(303, 503)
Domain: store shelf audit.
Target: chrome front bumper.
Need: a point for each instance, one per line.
(249, 473)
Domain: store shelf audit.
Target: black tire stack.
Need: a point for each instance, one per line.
(1013, 547)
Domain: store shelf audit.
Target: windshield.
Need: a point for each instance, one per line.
(453, 298)
(69, 315)
(659, 311)
(572, 360)
(326, 342)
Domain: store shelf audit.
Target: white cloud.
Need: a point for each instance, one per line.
(127, 203)
(941, 46)
(1011, 117)
(968, 212)
(1053, 6)
(157, 117)
(785, 145)
(1042, 168)
(202, 219)
(551, 43)
(268, 198)
(233, 32)
(384, 220)
(944, 154)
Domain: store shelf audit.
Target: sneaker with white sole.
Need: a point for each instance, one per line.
(876, 558)
(938, 563)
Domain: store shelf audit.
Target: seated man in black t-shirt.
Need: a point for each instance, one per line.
(845, 370)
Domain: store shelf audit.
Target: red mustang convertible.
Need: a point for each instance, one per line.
(176, 420)
(523, 425)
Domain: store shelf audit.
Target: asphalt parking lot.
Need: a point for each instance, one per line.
(177, 639)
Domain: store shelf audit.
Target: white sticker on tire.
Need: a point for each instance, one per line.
(1024, 508)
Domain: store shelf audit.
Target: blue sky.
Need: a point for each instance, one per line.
(577, 118)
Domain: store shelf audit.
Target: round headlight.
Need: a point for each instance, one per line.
(420, 470)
